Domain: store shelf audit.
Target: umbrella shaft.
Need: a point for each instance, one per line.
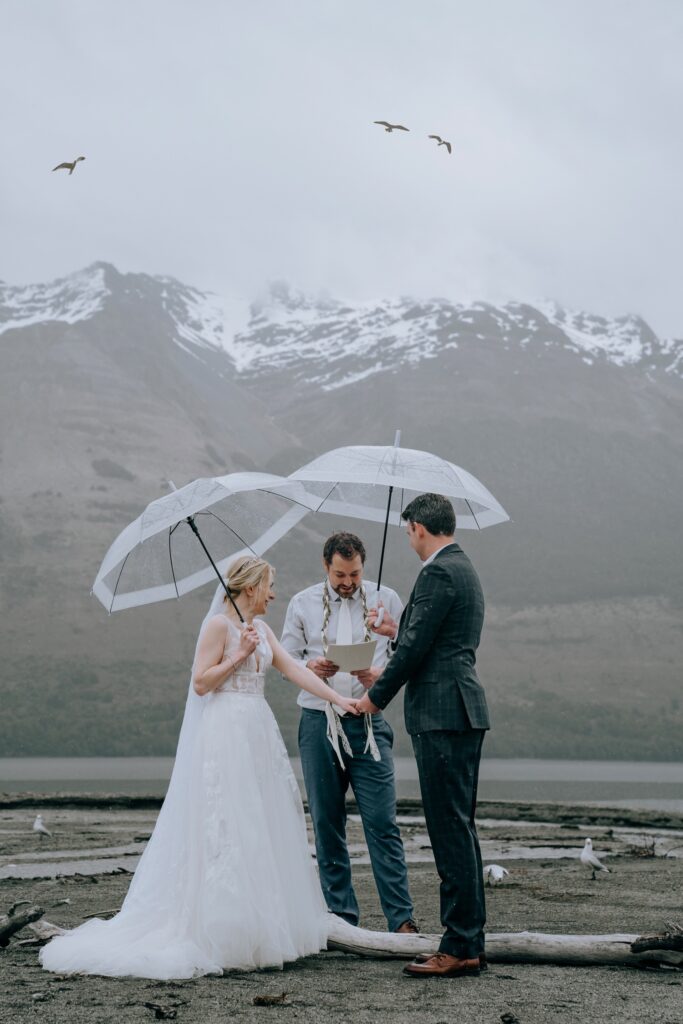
(384, 541)
(193, 526)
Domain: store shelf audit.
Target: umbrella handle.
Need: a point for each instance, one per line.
(193, 526)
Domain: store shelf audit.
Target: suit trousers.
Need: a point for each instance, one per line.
(448, 767)
(372, 783)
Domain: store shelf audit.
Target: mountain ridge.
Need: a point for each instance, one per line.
(285, 325)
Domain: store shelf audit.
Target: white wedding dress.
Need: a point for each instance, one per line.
(226, 880)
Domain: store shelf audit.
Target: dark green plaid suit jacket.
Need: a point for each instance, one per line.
(434, 654)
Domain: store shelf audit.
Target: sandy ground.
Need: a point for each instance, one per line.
(542, 893)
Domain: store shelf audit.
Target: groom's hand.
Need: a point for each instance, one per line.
(366, 707)
(388, 626)
(322, 667)
(367, 676)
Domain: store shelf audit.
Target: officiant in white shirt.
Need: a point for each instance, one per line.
(335, 610)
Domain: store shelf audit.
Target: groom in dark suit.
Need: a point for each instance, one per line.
(434, 649)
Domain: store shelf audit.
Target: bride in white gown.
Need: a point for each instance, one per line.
(226, 880)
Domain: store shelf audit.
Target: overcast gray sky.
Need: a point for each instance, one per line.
(230, 143)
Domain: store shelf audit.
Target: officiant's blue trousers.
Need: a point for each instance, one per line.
(372, 783)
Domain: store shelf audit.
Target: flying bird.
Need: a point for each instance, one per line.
(71, 167)
(392, 127)
(590, 861)
(441, 142)
(494, 874)
(39, 827)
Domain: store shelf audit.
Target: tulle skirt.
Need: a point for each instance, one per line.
(227, 880)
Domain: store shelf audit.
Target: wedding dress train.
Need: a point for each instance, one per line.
(226, 880)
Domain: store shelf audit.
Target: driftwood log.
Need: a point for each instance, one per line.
(644, 951)
(522, 947)
(43, 931)
(15, 919)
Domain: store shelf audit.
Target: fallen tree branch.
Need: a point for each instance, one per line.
(15, 920)
(518, 947)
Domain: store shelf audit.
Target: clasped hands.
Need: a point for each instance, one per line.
(324, 669)
(355, 706)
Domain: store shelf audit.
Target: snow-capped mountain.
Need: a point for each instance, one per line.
(67, 299)
(332, 344)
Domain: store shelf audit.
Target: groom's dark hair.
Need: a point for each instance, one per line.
(432, 511)
(345, 544)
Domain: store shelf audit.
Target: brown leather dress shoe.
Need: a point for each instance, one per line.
(443, 965)
(422, 957)
(408, 928)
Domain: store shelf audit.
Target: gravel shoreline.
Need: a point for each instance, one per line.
(543, 893)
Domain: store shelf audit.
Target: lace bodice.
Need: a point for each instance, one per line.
(251, 674)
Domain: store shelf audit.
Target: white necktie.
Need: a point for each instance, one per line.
(344, 624)
(343, 681)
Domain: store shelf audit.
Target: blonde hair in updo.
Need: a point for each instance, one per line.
(248, 571)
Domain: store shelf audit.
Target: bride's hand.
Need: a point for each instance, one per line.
(249, 641)
(347, 704)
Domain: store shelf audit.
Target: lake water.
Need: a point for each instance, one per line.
(656, 785)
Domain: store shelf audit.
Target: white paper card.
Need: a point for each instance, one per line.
(352, 657)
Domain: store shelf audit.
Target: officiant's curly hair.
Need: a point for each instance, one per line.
(248, 571)
(432, 511)
(345, 544)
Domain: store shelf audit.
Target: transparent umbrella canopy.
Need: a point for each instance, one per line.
(187, 538)
(362, 481)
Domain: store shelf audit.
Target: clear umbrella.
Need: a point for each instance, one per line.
(360, 481)
(184, 539)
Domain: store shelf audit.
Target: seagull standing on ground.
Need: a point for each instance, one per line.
(590, 861)
(39, 827)
(392, 127)
(441, 142)
(70, 167)
(494, 874)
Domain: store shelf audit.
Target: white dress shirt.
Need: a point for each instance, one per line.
(302, 632)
